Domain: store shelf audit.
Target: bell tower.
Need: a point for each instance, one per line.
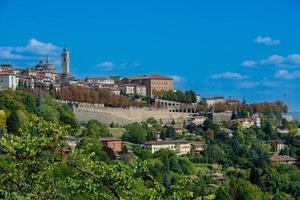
(65, 61)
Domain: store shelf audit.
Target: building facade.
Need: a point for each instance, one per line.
(99, 81)
(112, 143)
(9, 81)
(180, 147)
(65, 61)
(211, 101)
(153, 82)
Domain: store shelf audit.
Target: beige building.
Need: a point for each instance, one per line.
(177, 128)
(153, 82)
(197, 146)
(195, 120)
(211, 101)
(127, 89)
(246, 122)
(99, 81)
(140, 90)
(180, 147)
(133, 89)
(283, 159)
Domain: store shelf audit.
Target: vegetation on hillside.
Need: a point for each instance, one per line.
(37, 163)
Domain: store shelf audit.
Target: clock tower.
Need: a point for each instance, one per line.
(65, 61)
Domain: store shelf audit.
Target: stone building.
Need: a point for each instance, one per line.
(99, 81)
(65, 61)
(211, 101)
(180, 147)
(153, 82)
(9, 81)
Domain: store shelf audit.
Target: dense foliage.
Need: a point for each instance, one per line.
(37, 162)
(179, 96)
(94, 96)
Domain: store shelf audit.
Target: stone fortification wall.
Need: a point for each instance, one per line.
(125, 115)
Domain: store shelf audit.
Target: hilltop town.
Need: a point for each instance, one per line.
(139, 132)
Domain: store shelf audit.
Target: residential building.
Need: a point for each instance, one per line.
(183, 148)
(153, 82)
(218, 176)
(9, 81)
(256, 119)
(116, 91)
(127, 89)
(211, 101)
(197, 147)
(180, 147)
(177, 127)
(279, 145)
(195, 120)
(7, 69)
(28, 82)
(283, 159)
(71, 141)
(232, 101)
(140, 90)
(227, 131)
(246, 122)
(99, 81)
(112, 143)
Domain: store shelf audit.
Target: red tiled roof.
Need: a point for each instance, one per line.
(167, 142)
(281, 158)
(98, 78)
(109, 139)
(150, 76)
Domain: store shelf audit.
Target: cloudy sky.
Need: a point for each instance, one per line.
(248, 49)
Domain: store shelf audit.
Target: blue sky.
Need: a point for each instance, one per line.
(248, 49)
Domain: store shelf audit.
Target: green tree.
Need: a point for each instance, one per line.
(49, 113)
(136, 133)
(3, 119)
(240, 189)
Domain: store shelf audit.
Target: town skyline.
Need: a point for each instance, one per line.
(256, 60)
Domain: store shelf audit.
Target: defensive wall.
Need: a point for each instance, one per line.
(125, 115)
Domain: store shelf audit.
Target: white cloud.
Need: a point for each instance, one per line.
(248, 84)
(249, 63)
(109, 65)
(270, 83)
(291, 60)
(32, 52)
(228, 75)
(266, 40)
(284, 74)
(106, 66)
(37, 47)
(294, 58)
(7, 54)
(177, 79)
(273, 60)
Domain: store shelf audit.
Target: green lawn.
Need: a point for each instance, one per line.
(117, 132)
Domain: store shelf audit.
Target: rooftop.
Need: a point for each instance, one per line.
(107, 139)
(150, 76)
(282, 158)
(167, 142)
(98, 78)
